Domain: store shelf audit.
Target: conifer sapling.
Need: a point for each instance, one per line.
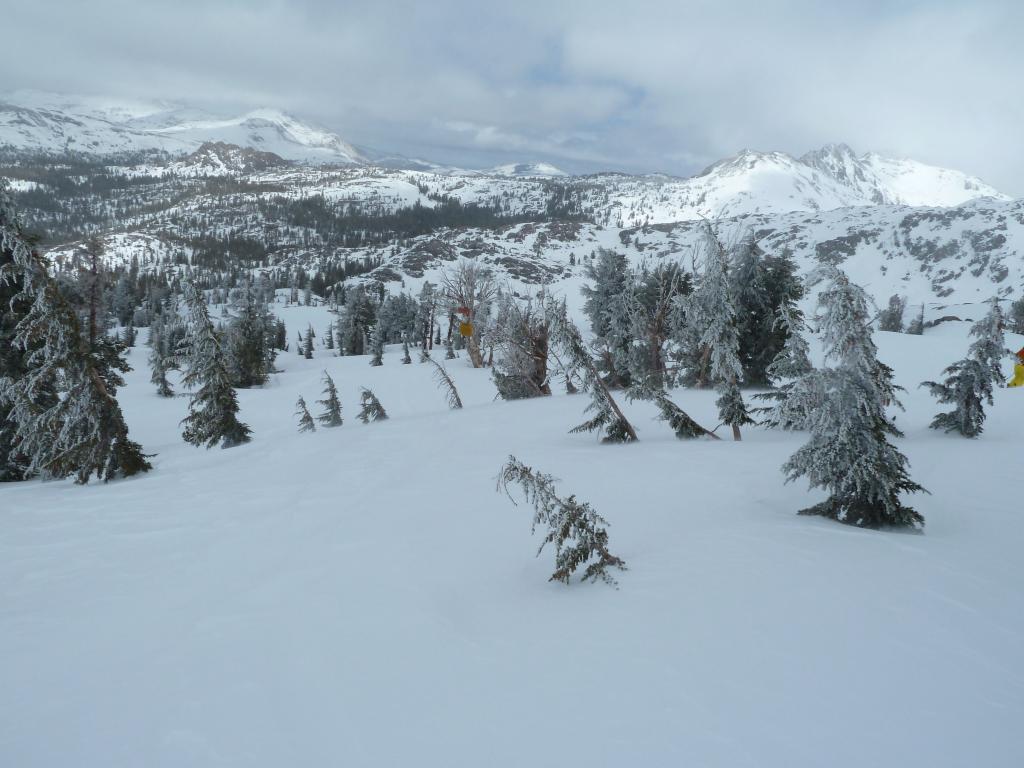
(331, 415)
(306, 423)
(577, 532)
(969, 382)
(371, 409)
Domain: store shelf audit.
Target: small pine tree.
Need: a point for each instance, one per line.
(848, 452)
(331, 415)
(307, 344)
(371, 409)
(329, 338)
(891, 318)
(577, 532)
(969, 382)
(306, 423)
(377, 345)
(160, 363)
(406, 359)
(916, 327)
(213, 410)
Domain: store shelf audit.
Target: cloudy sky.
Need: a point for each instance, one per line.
(641, 86)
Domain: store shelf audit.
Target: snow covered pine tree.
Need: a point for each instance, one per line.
(848, 452)
(969, 382)
(306, 423)
(62, 412)
(213, 411)
(576, 530)
(331, 415)
(711, 310)
(371, 409)
(791, 364)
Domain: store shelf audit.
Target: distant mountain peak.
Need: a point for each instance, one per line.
(49, 122)
(523, 170)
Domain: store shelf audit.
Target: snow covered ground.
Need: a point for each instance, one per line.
(363, 597)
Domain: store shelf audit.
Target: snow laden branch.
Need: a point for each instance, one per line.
(577, 532)
(371, 409)
(608, 417)
(445, 384)
(684, 426)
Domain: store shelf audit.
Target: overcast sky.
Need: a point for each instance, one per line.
(641, 86)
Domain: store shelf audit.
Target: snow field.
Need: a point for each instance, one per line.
(362, 596)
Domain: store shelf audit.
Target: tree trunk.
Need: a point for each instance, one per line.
(736, 432)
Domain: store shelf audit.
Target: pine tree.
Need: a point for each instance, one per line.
(249, 341)
(377, 345)
(371, 409)
(307, 344)
(331, 415)
(306, 423)
(577, 532)
(891, 318)
(649, 304)
(916, 327)
(760, 285)
(159, 362)
(969, 382)
(1015, 317)
(848, 452)
(406, 359)
(793, 362)
(711, 310)
(605, 306)
(62, 414)
(213, 409)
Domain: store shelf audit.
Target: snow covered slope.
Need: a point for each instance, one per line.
(56, 122)
(362, 596)
(889, 181)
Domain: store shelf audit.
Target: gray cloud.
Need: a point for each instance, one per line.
(657, 85)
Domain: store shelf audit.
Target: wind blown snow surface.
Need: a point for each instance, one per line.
(363, 597)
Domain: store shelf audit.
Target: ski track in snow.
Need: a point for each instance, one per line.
(363, 597)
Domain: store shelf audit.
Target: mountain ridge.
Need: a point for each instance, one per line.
(749, 182)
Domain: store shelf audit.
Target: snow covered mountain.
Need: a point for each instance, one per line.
(526, 170)
(888, 181)
(55, 123)
(751, 182)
